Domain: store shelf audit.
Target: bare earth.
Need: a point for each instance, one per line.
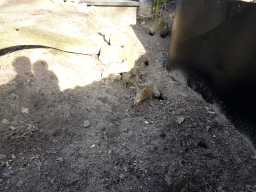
(174, 143)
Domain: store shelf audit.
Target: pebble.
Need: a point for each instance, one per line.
(2, 157)
(12, 128)
(19, 183)
(60, 159)
(180, 119)
(5, 121)
(125, 168)
(21, 169)
(86, 123)
(8, 173)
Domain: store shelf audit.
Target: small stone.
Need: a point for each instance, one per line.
(7, 174)
(12, 128)
(122, 176)
(125, 168)
(253, 157)
(21, 169)
(72, 146)
(71, 178)
(180, 119)
(25, 110)
(126, 76)
(2, 157)
(4, 121)
(2, 163)
(60, 159)
(19, 183)
(116, 77)
(86, 123)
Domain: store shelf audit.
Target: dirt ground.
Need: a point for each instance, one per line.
(177, 142)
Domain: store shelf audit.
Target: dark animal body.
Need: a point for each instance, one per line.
(218, 58)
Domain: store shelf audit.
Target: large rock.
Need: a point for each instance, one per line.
(130, 54)
(118, 38)
(116, 69)
(112, 54)
(36, 36)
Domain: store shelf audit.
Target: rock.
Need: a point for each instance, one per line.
(126, 76)
(92, 10)
(253, 157)
(71, 178)
(7, 174)
(5, 121)
(21, 169)
(25, 110)
(130, 54)
(116, 69)
(142, 94)
(37, 36)
(86, 123)
(12, 128)
(118, 38)
(160, 27)
(19, 183)
(111, 54)
(2, 163)
(82, 8)
(153, 87)
(105, 32)
(116, 77)
(59, 159)
(2, 157)
(180, 119)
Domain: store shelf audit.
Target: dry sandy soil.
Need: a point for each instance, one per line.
(177, 142)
